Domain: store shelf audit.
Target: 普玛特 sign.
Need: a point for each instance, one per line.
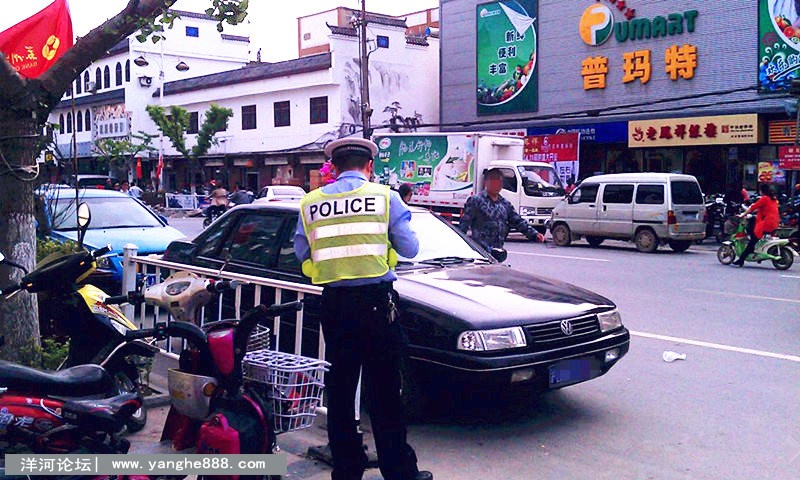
(506, 57)
(676, 132)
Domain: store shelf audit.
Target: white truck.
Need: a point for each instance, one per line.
(446, 168)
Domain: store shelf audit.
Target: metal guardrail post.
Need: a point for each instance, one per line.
(129, 251)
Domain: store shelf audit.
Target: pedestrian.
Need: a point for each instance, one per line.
(125, 187)
(219, 196)
(488, 215)
(135, 191)
(570, 185)
(348, 236)
(406, 190)
(767, 220)
(239, 196)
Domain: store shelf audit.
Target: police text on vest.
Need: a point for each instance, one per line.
(345, 207)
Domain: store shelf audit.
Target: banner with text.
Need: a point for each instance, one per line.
(679, 132)
(789, 158)
(562, 150)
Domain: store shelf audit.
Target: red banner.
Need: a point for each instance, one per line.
(562, 147)
(789, 158)
(33, 45)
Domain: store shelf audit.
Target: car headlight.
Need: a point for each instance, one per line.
(527, 211)
(609, 320)
(104, 263)
(497, 339)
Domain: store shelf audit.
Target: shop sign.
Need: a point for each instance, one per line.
(506, 57)
(789, 158)
(242, 162)
(610, 132)
(677, 132)
(562, 147)
(779, 44)
(781, 131)
(771, 172)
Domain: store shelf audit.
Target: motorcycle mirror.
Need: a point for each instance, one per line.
(84, 218)
(499, 254)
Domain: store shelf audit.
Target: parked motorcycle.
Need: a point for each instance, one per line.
(768, 247)
(214, 408)
(212, 213)
(78, 409)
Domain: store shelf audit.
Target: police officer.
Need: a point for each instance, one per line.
(348, 237)
(489, 215)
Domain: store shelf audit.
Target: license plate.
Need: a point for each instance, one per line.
(570, 371)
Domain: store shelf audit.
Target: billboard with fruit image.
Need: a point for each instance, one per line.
(506, 57)
(779, 44)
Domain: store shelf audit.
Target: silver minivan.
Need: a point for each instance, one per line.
(647, 208)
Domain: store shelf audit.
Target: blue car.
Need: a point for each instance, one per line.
(117, 219)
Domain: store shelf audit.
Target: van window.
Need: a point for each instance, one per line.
(509, 180)
(686, 193)
(618, 193)
(650, 195)
(585, 194)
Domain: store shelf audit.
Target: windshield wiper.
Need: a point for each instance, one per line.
(443, 261)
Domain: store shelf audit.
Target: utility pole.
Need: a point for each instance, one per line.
(366, 111)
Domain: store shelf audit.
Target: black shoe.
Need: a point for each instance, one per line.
(739, 263)
(424, 475)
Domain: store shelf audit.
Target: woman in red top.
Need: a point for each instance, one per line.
(767, 220)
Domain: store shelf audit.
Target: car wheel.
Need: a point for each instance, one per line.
(594, 241)
(680, 245)
(725, 254)
(646, 241)
(561, 235)
(124, 380)
(786, 260)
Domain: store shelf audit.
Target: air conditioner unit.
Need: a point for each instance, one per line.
(145, 81)
(90, 87)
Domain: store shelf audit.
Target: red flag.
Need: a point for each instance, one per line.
(139, 168)
(33, 45)
(160, 165)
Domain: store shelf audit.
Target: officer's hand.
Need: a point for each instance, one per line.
(539, 237)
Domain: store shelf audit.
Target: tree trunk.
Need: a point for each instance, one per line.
(19, 323)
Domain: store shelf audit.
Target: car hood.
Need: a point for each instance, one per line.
(147, 239)
(486, 296)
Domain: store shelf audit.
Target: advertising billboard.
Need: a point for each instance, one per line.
(779, 44)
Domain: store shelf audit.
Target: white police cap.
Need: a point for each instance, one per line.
(358, 146)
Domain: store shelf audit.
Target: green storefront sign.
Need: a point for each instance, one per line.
(779, 44)
(506, 57)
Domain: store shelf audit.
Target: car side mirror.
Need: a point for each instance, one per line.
(570, 200)
(2, 257)
(499, 254)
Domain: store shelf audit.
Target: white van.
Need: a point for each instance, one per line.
(648, 208)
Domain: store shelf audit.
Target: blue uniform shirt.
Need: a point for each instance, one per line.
(403, 239)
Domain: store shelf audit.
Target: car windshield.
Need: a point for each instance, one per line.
(107, 212)
(439, 240)
(540, 181)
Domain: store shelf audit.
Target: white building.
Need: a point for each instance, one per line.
(285, 112)
(111, 94)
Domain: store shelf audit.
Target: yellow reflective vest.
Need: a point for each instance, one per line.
(348, 233)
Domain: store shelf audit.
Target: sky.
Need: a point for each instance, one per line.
(273, 24)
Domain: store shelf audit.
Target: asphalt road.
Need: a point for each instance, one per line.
(731, 410)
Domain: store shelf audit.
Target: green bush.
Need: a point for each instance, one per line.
(54, 352)
(47, 246)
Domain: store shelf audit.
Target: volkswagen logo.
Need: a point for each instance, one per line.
(566, 327)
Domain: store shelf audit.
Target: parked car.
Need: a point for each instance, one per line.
(117, 219)
(647, 208)
(93, 181)
(469, 319)
(272, 193)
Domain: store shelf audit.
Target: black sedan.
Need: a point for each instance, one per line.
(469, 319)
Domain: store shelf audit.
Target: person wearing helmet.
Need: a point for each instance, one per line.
(348, 236)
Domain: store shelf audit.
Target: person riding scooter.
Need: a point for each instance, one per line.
(767, 220)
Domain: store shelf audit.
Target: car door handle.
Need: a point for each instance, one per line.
(592, 206)
(604, 208)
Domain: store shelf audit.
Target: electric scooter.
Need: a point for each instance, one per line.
(768, 247)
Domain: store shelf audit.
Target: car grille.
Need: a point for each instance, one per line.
(544, 211)
(550, 335)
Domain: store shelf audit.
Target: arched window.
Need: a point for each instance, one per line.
(78, 86)
(86, 80)
(88, 121)
(61, 123)
(106, 77)
(127, 70)
(118, 74)
(98, 79)
(78, 122)
(69, 123)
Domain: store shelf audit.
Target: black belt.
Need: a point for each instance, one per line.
(380, 286)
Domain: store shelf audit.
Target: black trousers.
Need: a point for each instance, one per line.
(359, 334)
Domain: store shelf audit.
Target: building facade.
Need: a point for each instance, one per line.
(651, 86)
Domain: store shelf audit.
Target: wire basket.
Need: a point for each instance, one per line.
(259, 339)
(294, 385)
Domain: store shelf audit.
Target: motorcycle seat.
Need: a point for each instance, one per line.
(79, 381)
(105, 414)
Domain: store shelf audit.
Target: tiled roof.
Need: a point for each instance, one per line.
(103, 98)
(250, 73)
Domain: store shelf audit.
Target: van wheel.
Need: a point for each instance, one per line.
(646, 241)
(594, 241)
(561, 235)
(680, 245)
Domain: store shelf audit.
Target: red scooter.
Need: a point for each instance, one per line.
(214, 408)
